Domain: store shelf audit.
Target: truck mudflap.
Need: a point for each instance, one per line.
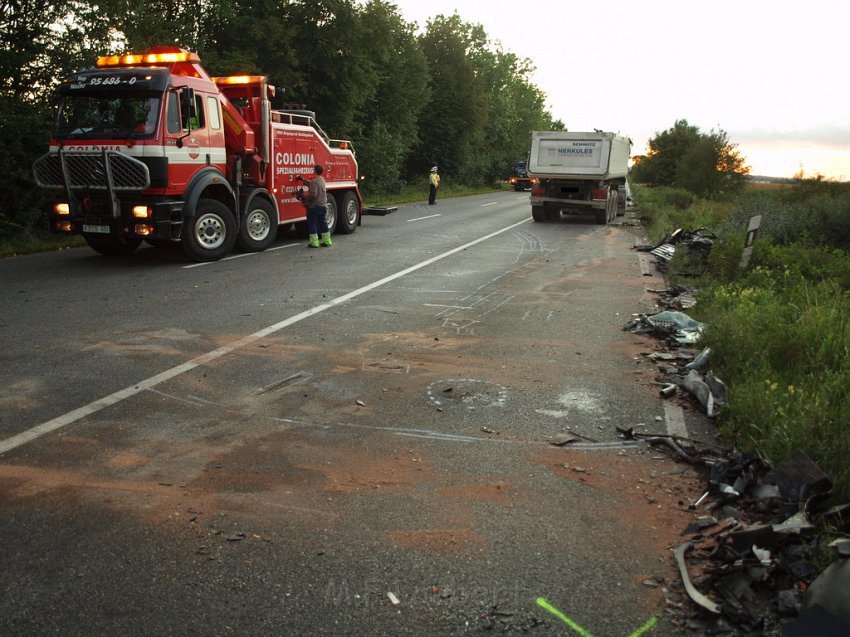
(551, 208)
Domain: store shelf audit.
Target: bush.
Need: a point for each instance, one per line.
(782, 343)
(779, 330)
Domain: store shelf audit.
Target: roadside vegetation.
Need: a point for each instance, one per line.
(779, 330)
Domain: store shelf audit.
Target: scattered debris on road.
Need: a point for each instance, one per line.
(699, 241)
(761, 535)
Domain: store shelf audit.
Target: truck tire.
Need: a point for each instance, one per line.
(538, 214)
(601, 217)
(211, 233)
(258, 227)
(332, 217)
(110, 246)
(349, 214)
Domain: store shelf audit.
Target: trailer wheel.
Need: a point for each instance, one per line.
(332, 216)
(112, 246)
(538, 214)
(211, 233)
(258, 227)
(349, 214)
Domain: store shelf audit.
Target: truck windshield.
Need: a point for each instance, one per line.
(519, 169)
(102, 117)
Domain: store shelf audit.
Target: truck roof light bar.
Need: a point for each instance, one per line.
(245, 80)
(147, 59)
(239, 79)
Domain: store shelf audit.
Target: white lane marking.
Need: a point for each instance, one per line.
(86, 410)
(492, 203)
(675, 419)
(288, 245)
(421, 218)
(237, 256)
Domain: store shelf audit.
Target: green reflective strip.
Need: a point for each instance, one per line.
(569, 622)
(649, 624)
(541, 601)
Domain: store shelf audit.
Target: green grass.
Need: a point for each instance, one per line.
(30, 243)
(779, 330)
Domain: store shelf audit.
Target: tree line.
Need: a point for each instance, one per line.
(407, 98)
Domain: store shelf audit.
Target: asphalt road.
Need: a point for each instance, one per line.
(344, 441)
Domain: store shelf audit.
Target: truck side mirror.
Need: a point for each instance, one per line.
(187, 104)
(187, 112)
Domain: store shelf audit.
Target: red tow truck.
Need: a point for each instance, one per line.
(149, 147)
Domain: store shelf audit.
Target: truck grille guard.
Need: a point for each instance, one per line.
(107, 170)
(103, 170)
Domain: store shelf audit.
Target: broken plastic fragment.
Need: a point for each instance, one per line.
(701, 360)
(693, 593)
(694, 383)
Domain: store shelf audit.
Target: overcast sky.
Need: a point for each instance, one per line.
(772, 74)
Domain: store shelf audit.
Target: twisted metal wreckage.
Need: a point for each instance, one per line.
(760, 531)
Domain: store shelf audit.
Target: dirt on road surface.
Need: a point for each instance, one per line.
(394, 475)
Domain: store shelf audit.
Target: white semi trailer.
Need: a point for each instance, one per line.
(577, 173)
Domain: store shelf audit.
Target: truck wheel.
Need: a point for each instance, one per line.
(258, 227)
(349, 214)
(112, 246)
(601, 217)
(538, 214)
(332, 215)
(211, 233)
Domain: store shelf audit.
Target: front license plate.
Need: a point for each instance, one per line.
(97, 229)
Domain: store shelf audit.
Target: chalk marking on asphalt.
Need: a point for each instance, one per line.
(421, 218)
(674, 417)
(107, 401)
(492, 203)
(430, 434)
(450, 307)
(541, 601)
